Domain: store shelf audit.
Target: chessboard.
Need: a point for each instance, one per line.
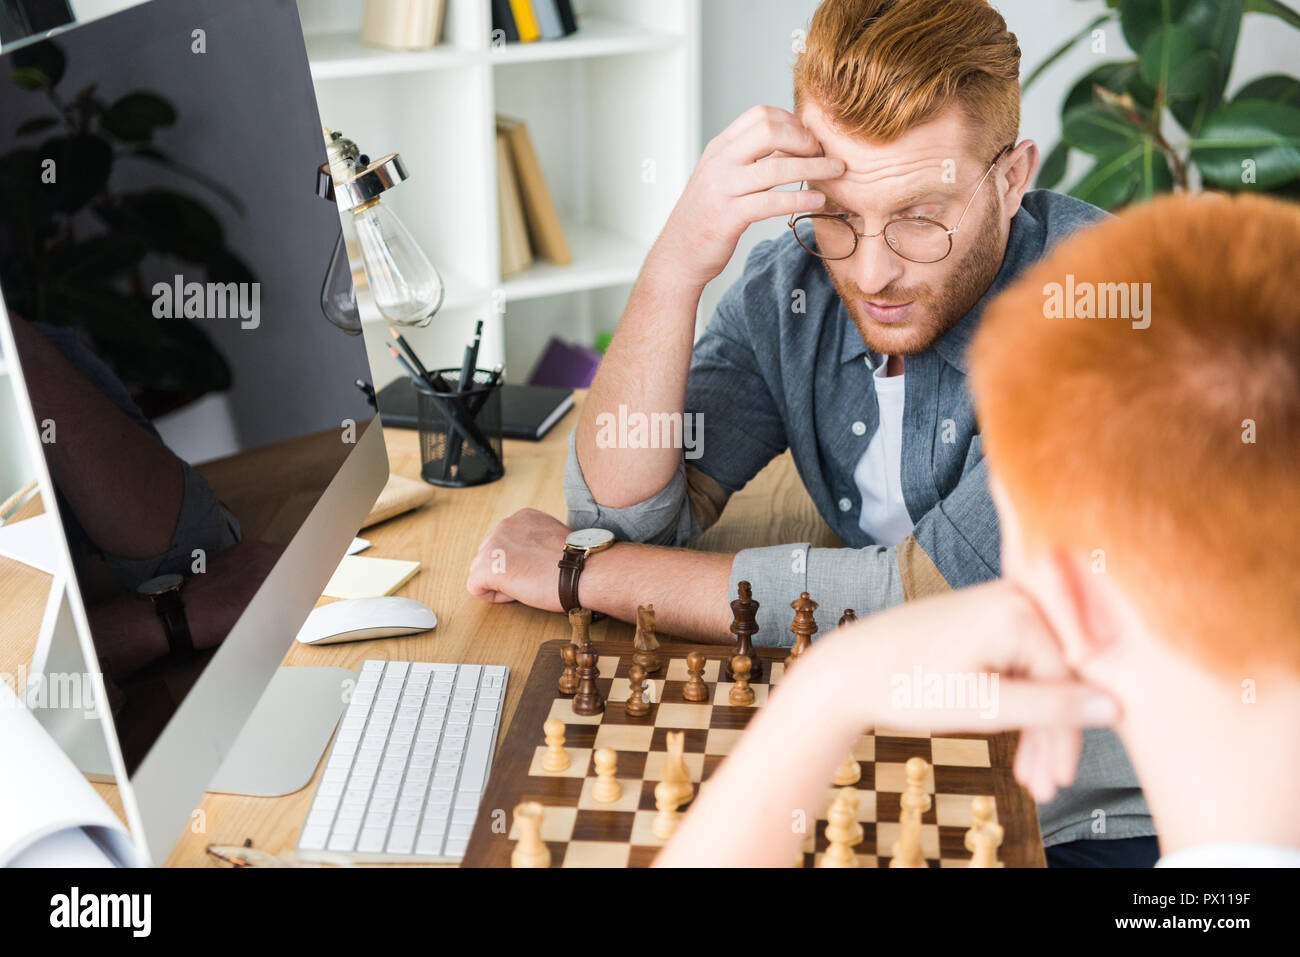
(582, 832)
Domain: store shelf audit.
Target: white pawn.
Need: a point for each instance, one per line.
(557, 759)
(530, 850)
(607, 789)
(842, 831)
(984, 836)
(849, 772)
(915, 801)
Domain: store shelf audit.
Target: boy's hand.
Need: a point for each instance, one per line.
(979, 659)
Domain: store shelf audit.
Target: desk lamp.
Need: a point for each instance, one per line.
(407, 289)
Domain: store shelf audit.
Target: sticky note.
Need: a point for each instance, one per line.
(361, 577)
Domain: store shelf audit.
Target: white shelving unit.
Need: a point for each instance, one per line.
(613, 113)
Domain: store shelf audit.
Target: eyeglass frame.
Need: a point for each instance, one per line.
(949, 232)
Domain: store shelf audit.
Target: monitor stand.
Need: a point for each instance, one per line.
(276, 753)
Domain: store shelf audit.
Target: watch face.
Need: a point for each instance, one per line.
(589, 537)
(160, 585)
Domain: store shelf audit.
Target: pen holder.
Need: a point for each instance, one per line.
(460, 432)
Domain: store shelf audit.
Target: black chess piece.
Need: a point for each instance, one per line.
(744, 625)
(588, 700)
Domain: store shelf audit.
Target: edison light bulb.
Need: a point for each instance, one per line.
(338, 297)
(406, 288)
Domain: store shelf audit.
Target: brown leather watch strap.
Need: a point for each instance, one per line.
(571, 563)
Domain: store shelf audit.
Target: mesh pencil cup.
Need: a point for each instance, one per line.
(460, 432)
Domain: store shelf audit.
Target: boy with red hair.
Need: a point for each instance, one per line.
(1145, 478)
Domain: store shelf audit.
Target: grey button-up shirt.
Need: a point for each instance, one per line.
(781, 365)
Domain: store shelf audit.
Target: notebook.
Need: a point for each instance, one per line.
(527, 411)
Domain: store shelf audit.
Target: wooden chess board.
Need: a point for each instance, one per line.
(584, 833)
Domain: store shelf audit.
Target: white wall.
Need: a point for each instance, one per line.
(747, 59)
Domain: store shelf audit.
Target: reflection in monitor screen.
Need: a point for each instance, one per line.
(162, 251)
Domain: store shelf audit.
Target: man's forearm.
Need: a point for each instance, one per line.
(689, 590)
(644, 369)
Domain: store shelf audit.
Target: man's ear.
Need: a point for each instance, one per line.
(1017, 175)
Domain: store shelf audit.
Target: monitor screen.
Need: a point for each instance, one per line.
(163, 251)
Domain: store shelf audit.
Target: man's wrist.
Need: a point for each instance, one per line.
(591, 583)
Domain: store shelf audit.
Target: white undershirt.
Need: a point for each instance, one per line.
(878, 474)
(1232, 854)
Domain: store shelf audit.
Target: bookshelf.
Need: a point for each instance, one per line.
(613, 113)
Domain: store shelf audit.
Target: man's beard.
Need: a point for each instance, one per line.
(935, 312)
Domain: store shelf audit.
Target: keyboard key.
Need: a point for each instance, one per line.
(474, 771)
(429, 845)
(313, 838)
(401, 840)
(371, 840)
(342, 842)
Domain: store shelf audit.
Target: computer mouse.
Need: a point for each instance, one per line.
(356, 619)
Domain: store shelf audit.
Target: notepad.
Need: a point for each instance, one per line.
(361, 577)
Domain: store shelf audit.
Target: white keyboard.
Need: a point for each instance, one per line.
(409, 763)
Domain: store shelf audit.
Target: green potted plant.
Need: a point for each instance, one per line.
(1159, 121)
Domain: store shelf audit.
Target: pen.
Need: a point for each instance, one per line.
(433, 379)
(468, 431)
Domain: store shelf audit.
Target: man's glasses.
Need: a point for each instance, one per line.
(919, 240)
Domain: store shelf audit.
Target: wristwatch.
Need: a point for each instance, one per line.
(165, 593)
(577, 546)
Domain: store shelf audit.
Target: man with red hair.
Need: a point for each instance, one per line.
(844, 342)
(1145, 475)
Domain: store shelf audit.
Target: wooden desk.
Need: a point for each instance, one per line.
(444, 535)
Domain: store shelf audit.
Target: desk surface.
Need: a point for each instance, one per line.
(444, 535)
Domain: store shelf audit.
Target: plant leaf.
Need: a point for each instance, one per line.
(1277, 87)
(36, 124)
(1053, 169)
(81, 167)
(1098, 130)
(1216, 25)
(1154, 175)
(1275, 8)
(1117, 76)
(136, 115)
(1139, 19)
(1171, 63)
(42, 63)
(1111, 180)
(1249, 134)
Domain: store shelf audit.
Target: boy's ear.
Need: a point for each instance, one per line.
(1080, 603)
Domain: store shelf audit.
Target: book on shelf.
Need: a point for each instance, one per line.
(545, 233)
(548, 19)
(515, 251)
(504, 20)
(402, 24)
(524, 21)
(522, 11)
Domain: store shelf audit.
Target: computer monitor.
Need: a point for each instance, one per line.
(199, 426)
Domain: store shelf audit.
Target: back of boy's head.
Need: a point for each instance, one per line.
(1170, 454)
